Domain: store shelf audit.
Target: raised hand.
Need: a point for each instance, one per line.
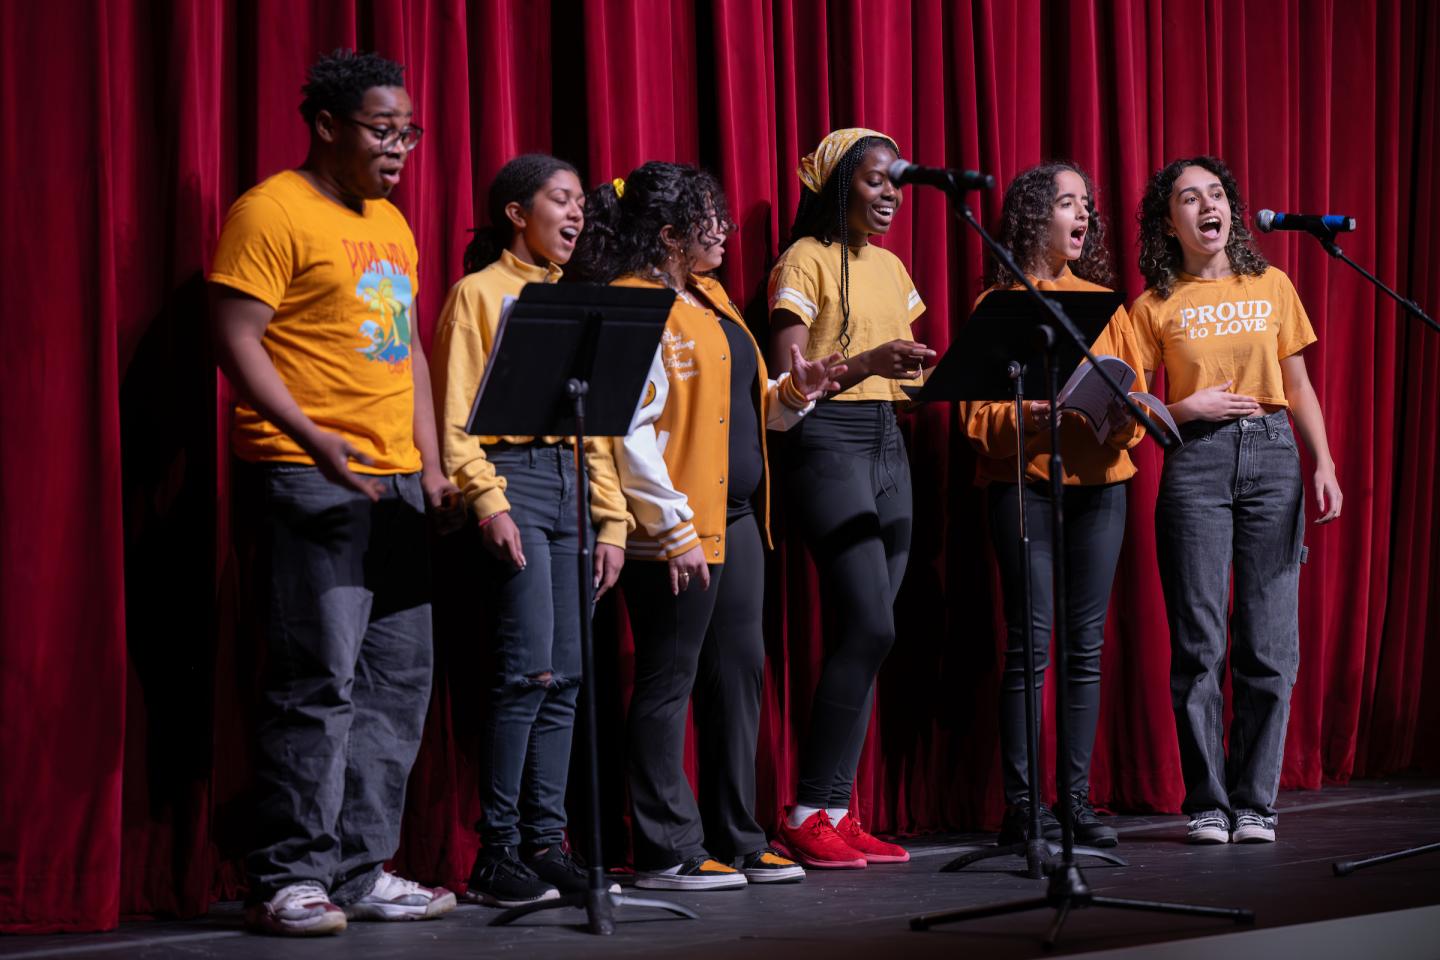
(898, 359)
(815, 378)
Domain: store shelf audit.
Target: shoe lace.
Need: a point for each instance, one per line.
(514, 869)
(304, 894)
(391, 887)
(1250, 818)
(820, 824)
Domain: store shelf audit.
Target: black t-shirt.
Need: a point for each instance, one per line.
(747, 463)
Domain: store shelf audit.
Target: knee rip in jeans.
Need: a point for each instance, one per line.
(545, 679)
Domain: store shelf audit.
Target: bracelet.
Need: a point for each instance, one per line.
(791, 396)
(487, 520)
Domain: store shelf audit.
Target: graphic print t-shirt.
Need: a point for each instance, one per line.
(343, 287)
(1208, 332)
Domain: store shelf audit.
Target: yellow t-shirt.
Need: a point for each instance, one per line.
(1235, 328)
(883, 304)
(342, 285)
(464, 337)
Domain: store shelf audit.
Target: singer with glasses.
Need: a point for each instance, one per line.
(848, 478)
(1048, 221)
(1229, 330)
(695, 476)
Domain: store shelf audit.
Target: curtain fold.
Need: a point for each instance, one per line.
(128, 652)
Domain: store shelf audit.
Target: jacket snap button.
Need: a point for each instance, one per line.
(722, 419)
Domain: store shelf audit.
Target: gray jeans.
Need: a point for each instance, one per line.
(1232, 498)
(530, 721)
(346, 588)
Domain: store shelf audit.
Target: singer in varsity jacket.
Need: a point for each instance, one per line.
(694, 474)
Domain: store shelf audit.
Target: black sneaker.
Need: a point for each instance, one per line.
(1015, 828)
(767, 866)
(1090, 830)
(556, 866)
(498, 879)
(698, 873)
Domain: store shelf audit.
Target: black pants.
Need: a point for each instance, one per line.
(848, 487)
(1094, 529)
(709, 642)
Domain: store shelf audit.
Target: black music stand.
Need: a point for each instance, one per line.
(557, 349)
(989, 361)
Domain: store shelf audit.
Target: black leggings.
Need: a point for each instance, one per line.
(1094, 529)
(708, 643)
(848, 486)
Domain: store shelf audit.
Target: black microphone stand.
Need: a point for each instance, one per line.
(1342, 868)
(1067, 889)
(1327, 240)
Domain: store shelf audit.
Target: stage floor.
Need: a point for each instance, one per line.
(1392, 910)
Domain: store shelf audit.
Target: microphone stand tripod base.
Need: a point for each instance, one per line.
(1040, 856)
(599, 907)
(1068, 891)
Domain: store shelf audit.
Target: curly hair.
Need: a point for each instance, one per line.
(622, 235)
(1161, 258)
(1025, 224)
(337, 82)
(517, 182)
(825, 216)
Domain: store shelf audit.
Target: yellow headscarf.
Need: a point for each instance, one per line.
(816, 168)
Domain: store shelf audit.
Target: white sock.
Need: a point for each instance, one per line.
(836, 814)
(799, 814)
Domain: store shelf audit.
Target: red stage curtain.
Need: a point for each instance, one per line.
(127, 658)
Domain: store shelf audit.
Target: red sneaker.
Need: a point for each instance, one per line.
(816, 844)
(872, 848)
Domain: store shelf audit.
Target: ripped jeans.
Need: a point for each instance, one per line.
(536, 653)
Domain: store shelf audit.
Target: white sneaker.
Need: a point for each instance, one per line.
(299, 910)
(1212, 826)
(395, 898)
(1252, 827)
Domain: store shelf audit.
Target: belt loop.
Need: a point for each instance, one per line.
(1272, 429)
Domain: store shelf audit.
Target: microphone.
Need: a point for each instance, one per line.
(902, 172)
(1268, 220)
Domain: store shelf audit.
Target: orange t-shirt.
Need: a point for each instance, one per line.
(342, 285)
(990, 424)
(1235, 328)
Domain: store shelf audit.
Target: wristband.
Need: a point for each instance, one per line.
(791, 396)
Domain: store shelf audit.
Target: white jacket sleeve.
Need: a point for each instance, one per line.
(779, 415)
(663, 512)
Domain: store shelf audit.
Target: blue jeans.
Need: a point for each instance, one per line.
(531, 719)
(346, 588)
(1232, 498)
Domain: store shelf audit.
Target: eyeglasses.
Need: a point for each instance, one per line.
(405, 137)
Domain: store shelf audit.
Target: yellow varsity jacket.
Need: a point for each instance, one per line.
(673, 465)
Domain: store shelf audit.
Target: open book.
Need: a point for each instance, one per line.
(1086, 394)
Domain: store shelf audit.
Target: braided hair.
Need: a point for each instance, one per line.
(517, 182)
(1161, 258)
(825, 216)
(622, 235)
